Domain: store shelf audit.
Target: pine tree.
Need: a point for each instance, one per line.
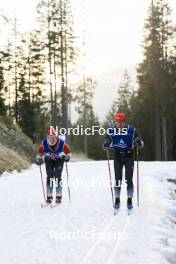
(31, 87)
(122, 102)
(124, 94)
(56, 27)
(2, 104)
(171, 108)
(153, 79)
(94, 142)
(83, 98)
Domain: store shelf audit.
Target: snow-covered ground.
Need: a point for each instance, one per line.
(86, 231)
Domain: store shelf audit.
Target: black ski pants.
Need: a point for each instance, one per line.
(123, 160)
(54, 173)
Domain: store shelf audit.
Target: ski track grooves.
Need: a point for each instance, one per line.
(89, 253)
(113, 252)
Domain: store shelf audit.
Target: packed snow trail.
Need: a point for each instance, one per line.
(85, 231)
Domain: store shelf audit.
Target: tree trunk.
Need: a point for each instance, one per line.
(164, 139)
(157, 137)
(63, 87)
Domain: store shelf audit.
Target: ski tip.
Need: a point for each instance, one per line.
(44, 205)
(116, 211)
(53, 205)
(130, 211)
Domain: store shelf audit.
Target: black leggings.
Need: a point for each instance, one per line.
(120, 161)
(54, 172)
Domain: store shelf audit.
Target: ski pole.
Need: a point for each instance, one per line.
(137, 158)
(42, 183)
(68, 183)
(110, 177)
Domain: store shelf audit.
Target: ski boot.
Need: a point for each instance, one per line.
(58, 199)
(48, 202)
(49, 199)
(129, 203)
(117, 203)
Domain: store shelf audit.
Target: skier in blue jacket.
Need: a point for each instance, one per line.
(123, 137)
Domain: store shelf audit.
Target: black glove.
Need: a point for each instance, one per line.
(106, 144)
(39, 159)
(138, 142)
(66, 158)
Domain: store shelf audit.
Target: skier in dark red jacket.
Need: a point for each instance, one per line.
(54, 152)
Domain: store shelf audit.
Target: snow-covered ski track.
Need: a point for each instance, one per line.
(86, 231)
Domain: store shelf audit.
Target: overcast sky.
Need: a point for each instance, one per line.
(114, 28)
